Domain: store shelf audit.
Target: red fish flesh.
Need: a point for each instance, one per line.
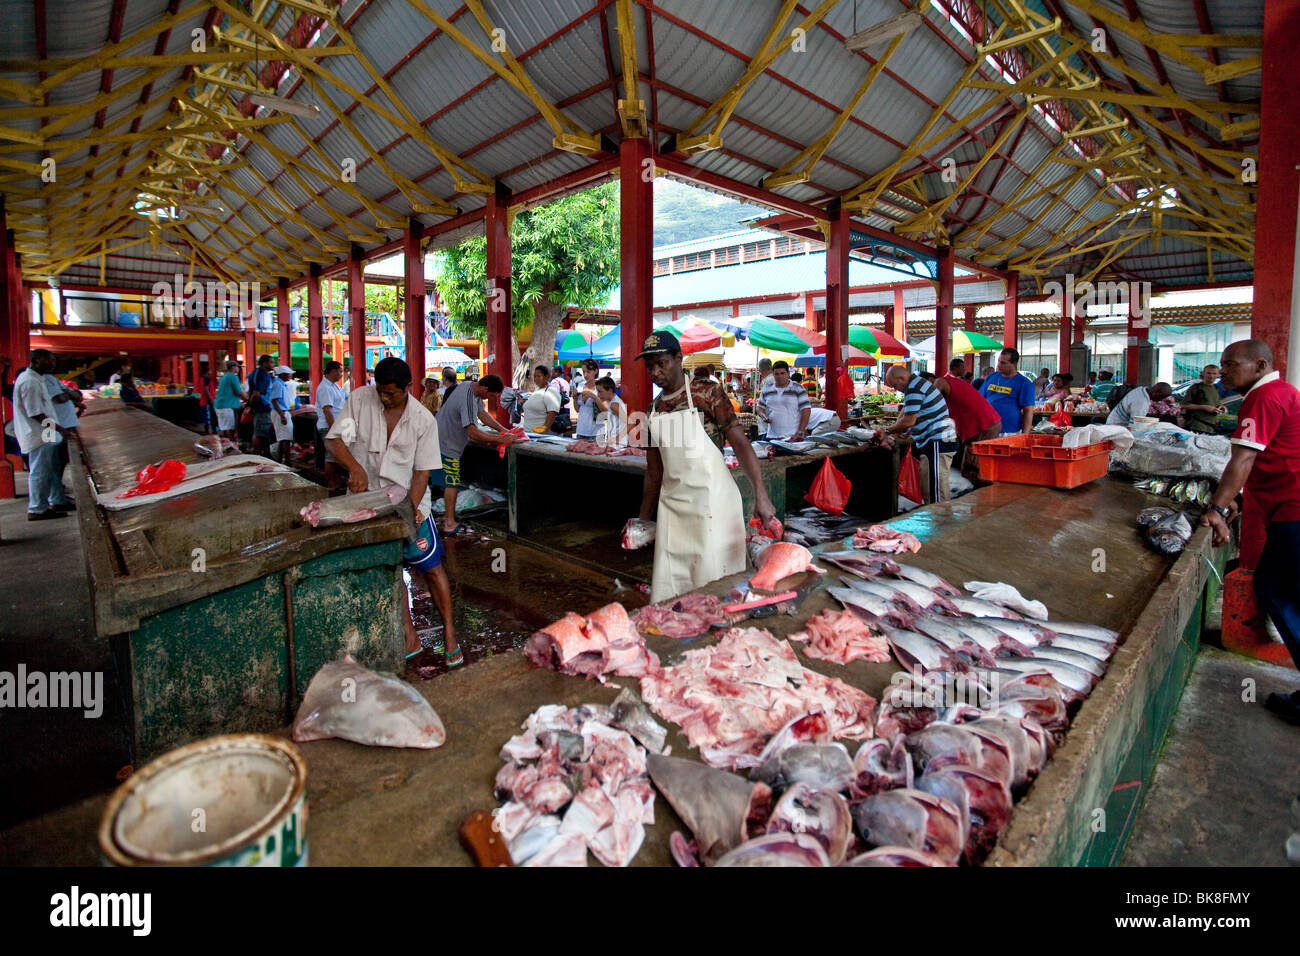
(781, 560)
(688, 616)
(842, 636)
(606, 642)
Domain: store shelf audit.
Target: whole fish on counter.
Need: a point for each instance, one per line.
(926, 579)
(860, 563)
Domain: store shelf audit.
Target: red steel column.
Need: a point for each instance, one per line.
(898, 319)
(315, 330)
(1063, 338)
(357, 316)
(1139, 329)
(1011, 313)
(809, 313)
(1273, 314)
(500, 296)
(837, 306)
(943, 312)
(282, 321)
(636, 240)
(968, 323)
(196, 371)
(414, 290)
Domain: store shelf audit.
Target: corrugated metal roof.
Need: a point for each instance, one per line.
(700, 51)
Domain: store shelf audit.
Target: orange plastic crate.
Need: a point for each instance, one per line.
(1040, 460)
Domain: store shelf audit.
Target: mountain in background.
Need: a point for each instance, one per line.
(683, 213)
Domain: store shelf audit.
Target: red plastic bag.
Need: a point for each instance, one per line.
(909, 477)
(830, 490)
(152, 479)
(1061, 419)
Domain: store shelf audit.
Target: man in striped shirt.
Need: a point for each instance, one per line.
(925, 415)
(784, 405)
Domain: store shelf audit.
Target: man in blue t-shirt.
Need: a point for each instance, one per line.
(1010, 394)
(260, 382)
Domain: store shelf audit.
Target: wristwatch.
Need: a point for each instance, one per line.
(1223, 512)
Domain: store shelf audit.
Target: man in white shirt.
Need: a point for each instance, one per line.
(65, 415)
(1137, 403)
(784, 405)
(384, 437)
(39, 436)
(329, 402)
(281, 399)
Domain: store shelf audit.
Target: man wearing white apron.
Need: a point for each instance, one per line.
(700, 523)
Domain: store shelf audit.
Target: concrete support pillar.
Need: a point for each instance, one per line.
(837, 306)
(315, 330)
(1275, 312)
(943, 312)
(282, 321)
(413, 287)
(636, 200)
(500, 295)
(357, 316)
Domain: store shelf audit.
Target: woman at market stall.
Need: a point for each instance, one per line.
(543, 403)
(688, 491)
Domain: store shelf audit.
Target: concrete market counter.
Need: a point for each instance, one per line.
(213, 600)
(392, 807)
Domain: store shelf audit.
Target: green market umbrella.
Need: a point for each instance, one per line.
(768, 333)
(876, 341)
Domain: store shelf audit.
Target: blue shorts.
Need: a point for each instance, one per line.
(425, 552)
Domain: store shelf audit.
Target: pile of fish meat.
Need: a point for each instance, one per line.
(609, 451)
(348, 509)
(349, 701)
(778, 561)
(842, 636)
(935, 793)
(731, 697)
(601, 643)
(688, 616)
(883, 537)
(575, 780)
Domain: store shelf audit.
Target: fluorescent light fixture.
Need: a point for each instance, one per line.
(283, 105)
(884, 30)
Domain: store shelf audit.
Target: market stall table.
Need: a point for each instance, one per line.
(212, 598)
(377, 806)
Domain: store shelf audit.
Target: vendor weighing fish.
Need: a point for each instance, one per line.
(688, 490)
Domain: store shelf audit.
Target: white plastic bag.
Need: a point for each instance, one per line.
(1091, 434)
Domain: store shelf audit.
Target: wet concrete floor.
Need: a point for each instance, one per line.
(1223, 787)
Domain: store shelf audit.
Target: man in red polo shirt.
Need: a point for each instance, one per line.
(975, 418)
(1266, 461)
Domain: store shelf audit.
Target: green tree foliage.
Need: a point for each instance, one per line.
(382, 298)
(565, 253)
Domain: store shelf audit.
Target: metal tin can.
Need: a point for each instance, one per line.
(233, 800)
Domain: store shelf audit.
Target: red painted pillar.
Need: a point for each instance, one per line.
(1139, 329)
(315, 330)
(248, 319)
(500, 296)
(1273, 313)
(898, 318)
(943, 312)
(809, 313)
(1011, 313)
(357, 316)
(636, 201)
(414, 316)
(968, 323)
(196, 371)
(837, 306)
(282, 321)
(1063, 338)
